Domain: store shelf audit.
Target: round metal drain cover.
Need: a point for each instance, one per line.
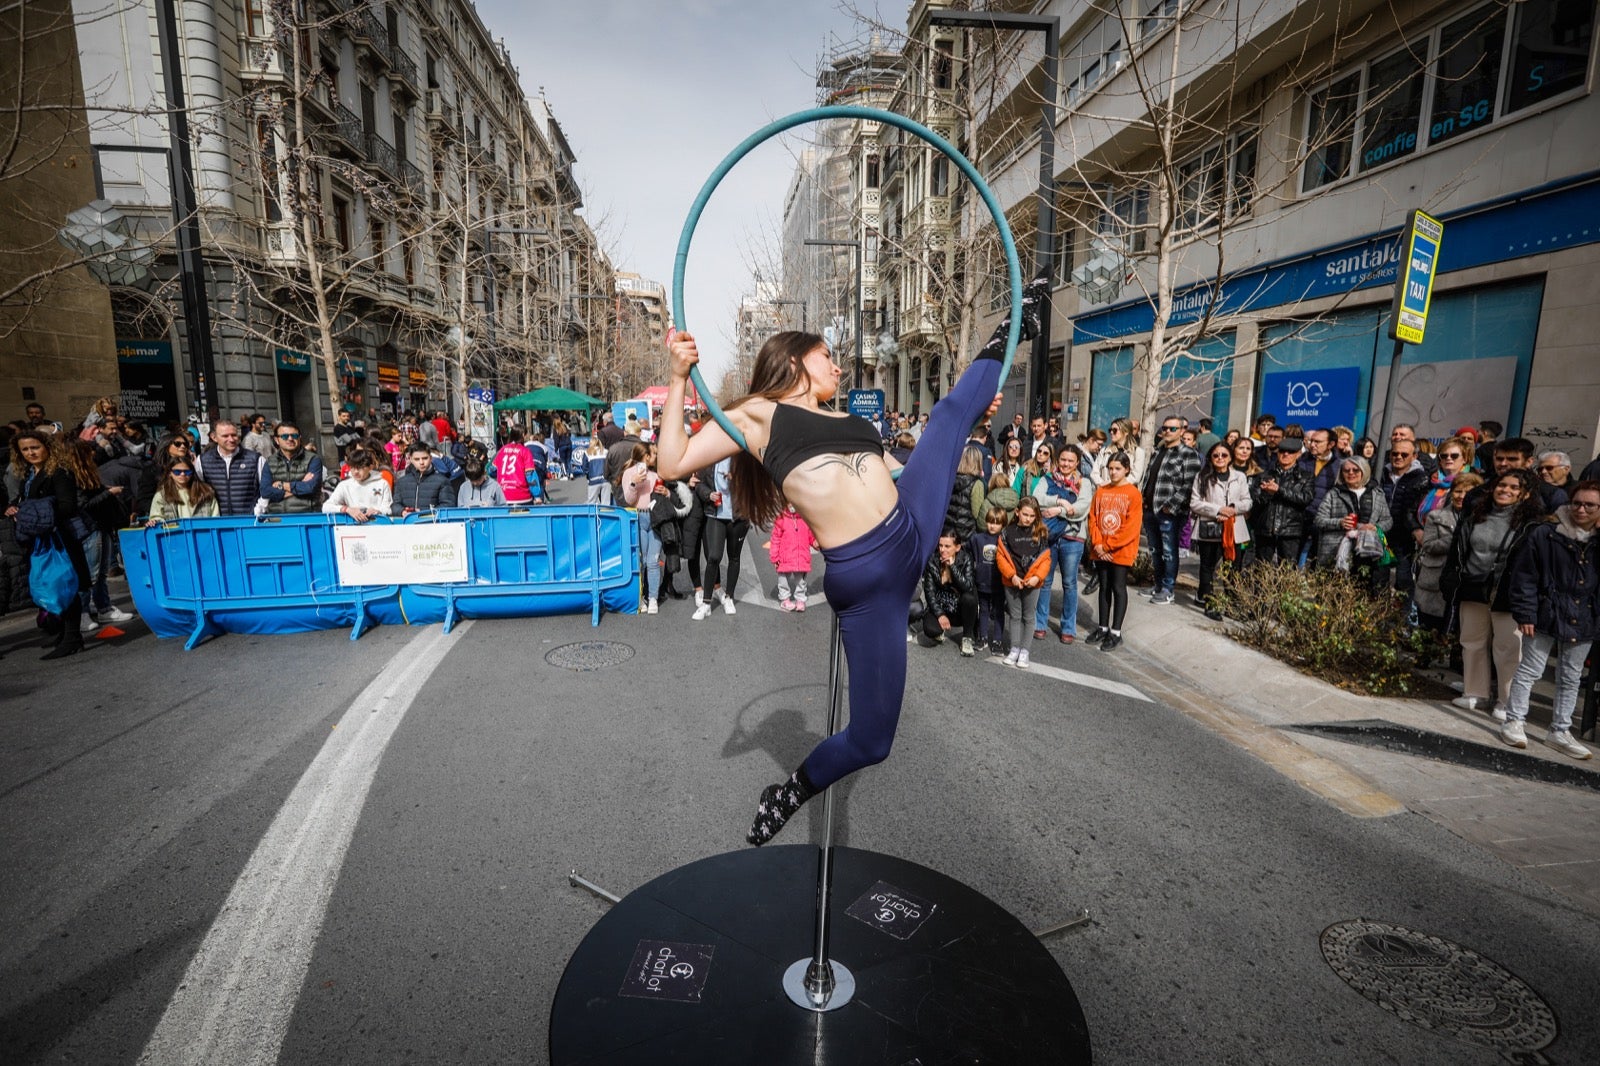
(1440, 986)
(589, 655)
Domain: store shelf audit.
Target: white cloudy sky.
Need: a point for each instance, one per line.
(652, 95)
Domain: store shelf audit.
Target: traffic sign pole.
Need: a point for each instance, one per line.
(1408, 316)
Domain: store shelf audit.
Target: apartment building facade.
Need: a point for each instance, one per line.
(1242, 219)
(385, 217)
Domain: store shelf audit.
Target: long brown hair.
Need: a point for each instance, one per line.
(52, 452)
(77, 459)
(199, 491)
(779, 368)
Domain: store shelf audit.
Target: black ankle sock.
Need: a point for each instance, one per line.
(777, 806)
(1035, 300)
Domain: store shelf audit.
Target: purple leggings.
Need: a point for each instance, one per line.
(869, 581)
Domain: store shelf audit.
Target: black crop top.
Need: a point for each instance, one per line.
(798, 434)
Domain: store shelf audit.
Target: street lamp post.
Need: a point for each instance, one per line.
(1039, 374)
(802, 303)
(180, 169)
(855, 296)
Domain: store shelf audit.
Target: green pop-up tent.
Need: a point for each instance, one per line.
(549, 398)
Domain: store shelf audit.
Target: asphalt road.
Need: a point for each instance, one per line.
(147, 792)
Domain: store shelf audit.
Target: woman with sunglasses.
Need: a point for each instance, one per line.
(175, 448)
(292, 481)
(181, 495)
(1126, 440)
(1455, 455)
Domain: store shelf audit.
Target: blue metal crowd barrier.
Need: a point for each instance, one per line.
(203, 576)
(534, 561)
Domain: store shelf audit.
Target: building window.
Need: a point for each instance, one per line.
(872, 172)
(939, 177)
(943, 64)
(1549, 50)
(1394, 106)
(267, 147)
(380, 261)
(1449, 82)
(255, 18)
(1467, 74)
(1091, 58)
(341, 223)
(1330, 132)
(1157, 14)
(1217, 183)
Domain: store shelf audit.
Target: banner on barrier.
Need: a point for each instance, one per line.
(427, 554)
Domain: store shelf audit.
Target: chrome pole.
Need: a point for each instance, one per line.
(818, 983)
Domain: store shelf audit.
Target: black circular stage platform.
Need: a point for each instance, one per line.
(689, 969)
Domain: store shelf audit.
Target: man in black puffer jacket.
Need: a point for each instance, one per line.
(420, 487)
(1278, 502)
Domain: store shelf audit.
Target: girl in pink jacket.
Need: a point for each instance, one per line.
(792, 541)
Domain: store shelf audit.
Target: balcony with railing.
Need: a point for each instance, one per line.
(381, 154)
(441, 115)
(404, 72)
(344, 132)
(369, 32)
(411, 177)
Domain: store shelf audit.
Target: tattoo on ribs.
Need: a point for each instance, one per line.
(854, 465)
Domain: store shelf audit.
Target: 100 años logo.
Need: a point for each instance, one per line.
(1304, 394)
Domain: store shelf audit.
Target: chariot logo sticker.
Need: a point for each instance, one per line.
(891, 911)
(663, 969)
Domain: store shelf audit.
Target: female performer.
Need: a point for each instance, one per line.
(875, 533)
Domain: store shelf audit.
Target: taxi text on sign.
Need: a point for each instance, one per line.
(1421, 239)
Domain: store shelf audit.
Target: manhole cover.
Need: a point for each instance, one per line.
(1440, 986)
(589, 655)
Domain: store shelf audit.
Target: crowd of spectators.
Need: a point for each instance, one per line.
(1483, 539)
(1486, 539)
(106, 472)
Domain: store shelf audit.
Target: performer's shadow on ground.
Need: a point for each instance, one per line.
(787, 734)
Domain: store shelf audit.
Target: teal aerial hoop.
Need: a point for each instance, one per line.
(819, 114)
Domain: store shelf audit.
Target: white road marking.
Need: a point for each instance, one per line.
(1086, 680)
(236, 999)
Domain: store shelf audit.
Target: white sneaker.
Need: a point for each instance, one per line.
(1022, 660)
(727, 605)
(1466, 703)
(650, 607)
(115, 614)
(1513, 733)
(1012, 656)
(1561, 740)
(88, 624)
(702, 611)
(1498, 714)
(966, 646)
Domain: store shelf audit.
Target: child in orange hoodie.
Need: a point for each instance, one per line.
(1115, 517)
(1023, 556)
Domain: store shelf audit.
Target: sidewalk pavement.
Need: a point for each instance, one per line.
(1551, 831)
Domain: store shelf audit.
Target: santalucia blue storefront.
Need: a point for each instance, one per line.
(1480, 358)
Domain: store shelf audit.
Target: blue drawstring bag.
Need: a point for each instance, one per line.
(51, 580)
